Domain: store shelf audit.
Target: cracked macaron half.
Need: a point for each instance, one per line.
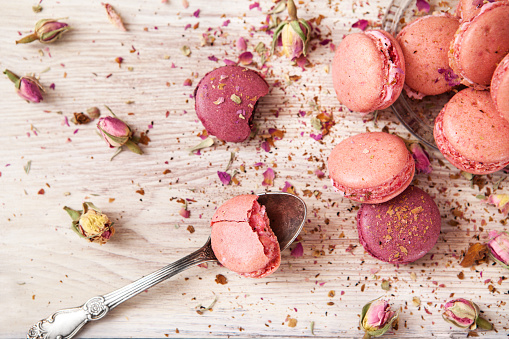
(242, 239)
(400, 230)
(471, 133)
(226, 100)
(371, 167)
(500, 87)
(368, 71)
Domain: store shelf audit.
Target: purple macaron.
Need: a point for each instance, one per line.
(400, 230)
(226, 100)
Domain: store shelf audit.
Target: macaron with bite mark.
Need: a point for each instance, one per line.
(242, 239)
(368, 71)
(226, 100)
(371, 167)
(401, 230)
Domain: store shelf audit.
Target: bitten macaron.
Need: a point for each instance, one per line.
(471, 134)
(400, 230)
(480, 44)
(368, 71)
(226, 100)
(371, 167)
(242, 239)
(425, 43)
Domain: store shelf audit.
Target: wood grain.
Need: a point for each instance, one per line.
(45, 267)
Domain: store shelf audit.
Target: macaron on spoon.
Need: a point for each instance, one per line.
(287, 214)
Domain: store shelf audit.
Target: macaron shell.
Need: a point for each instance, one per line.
(467, 9)
(237, 208)
(361, 71)
(371, 162)
(237, 247)
(471, 134)
(480, 44)
(500, 88)
(358, 72)
(400, 230)
(220, 113)
(425, 43)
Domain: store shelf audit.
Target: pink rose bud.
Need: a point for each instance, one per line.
(46, 31)
(295, 34)
(421, 158)
(499, 248)
(463, 313)
(27, 87)
(377, 318)
(114, 131)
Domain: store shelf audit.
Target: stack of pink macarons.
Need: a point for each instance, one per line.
(397, 223)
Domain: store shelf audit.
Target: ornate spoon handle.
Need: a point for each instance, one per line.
(64, 324)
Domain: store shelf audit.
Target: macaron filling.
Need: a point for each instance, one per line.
(389, 187)
(391, 57)
(456, 158)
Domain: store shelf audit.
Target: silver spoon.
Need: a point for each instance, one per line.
(287, 214)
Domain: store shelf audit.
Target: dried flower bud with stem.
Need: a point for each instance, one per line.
(377, 318)
(114, 17)
(295, 34)
(46, 31)
(464, 314)
(90, 223)
(27, 87)
(117, 134)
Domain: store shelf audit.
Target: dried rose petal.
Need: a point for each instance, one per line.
(114, 17)
(255, 5)
(213, 58)
(229, 62)
(362, 24)
(185, 3)
(241, 44)
(422, 5)
(265, 146)
(188, 82)
(302, 62)
(224, 177)
(476, 252)
(268, 177)
(184, 212)
(451, 78)
(288, 188)
(500, 201)
(298, 251)
(196, 13)
(421, 158)
(246, 58)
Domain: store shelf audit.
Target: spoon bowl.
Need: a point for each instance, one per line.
(286, 212)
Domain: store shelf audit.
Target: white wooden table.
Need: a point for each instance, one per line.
(45, 266)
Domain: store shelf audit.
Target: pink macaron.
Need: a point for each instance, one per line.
(467, 9)
(368, 71)
(242, 239)
(425, 43)
(400, 230)
(226, 101)
(480, 44)
(471, 134)
(500, 87)
(371, 167)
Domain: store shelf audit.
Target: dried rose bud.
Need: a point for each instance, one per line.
(377, 318)
(117, 133)
(114, 17)
(46, 31)
(114, 131)
(27, 87)
(499, 247)
(421, 158)
(464, 314)
(91, 223)
(295, 34)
